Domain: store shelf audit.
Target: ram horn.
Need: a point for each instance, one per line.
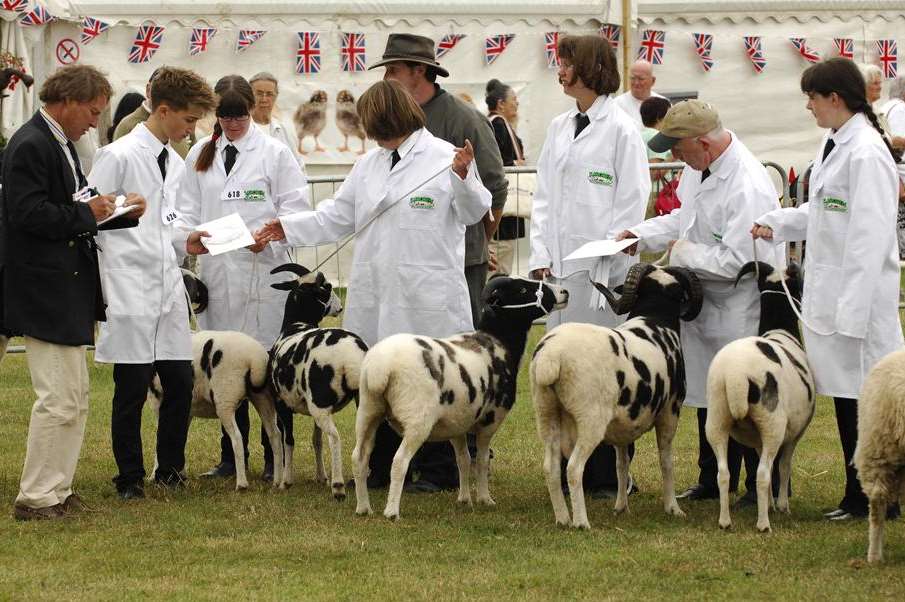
(691, 307)
(753, 266)
(298, 270)
(630, 289)
(608, 295)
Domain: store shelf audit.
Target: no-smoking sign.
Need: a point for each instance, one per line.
(67, 51)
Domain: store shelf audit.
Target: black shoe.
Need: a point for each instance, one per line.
(131, 492)
(609, 493)
(222, 470)
(267, 473)
(834, 513)
(746, 501)
(893, 512)
(421, 486)
(699, 492)
(374, 482)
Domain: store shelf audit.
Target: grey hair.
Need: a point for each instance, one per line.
(897, 88)
(265, 76)
(870, 71)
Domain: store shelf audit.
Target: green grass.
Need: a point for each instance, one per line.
(210, 542)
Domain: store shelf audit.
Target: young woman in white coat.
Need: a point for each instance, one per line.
(851, 288)
(592, 183)
(147, 327)
(239, 169)
(407, 264)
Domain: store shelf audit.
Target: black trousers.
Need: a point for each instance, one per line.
(242, 421)
(599, 471)
(131, 382)
(853, 500)
(434, 462)
(737, 452)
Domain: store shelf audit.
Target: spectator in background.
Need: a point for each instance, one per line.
(873, 80)
(141, 114)
(894, 113)
(267, 90)
(502, 110)
(126, 106)
(641, 84)
(653, 110)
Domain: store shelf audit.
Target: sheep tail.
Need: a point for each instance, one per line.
(545, 366)
(374, 376)
(736, 391)
(256, 375)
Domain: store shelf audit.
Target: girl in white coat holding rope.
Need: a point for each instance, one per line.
(851, 288)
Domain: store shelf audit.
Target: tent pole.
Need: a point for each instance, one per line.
(626, 40)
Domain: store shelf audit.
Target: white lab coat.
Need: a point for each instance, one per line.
(408, 264)
(851, 284)
(147, 315)
(285, 134)
(632, 106)
(238, 282)
(588, 188)
(713, 230)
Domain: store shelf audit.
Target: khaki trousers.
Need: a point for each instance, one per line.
(59, 375)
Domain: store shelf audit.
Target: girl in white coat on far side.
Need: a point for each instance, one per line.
(239, 169)
(851, 285)
(592, 183)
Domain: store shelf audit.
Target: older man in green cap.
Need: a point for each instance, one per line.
(723, 188)
(410, 60)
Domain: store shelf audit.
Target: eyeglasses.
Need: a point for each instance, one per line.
(263, 94)
(235, 120)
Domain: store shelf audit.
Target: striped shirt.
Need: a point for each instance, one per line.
(60, 137)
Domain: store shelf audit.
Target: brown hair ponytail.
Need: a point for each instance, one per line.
(236, 99)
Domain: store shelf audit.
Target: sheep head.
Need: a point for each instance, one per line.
(311, 297)
(770, 279)
(196, 291)
(645, 280)
(521, 298)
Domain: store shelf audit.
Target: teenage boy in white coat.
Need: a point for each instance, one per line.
(592, 183)
(723, 186)
(147, 327)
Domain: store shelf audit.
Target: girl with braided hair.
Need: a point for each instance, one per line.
(851, 292)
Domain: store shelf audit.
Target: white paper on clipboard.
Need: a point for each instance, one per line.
(600, 248)
(227, 233)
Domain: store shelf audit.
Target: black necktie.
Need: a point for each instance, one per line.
(394, 159)
(705, 174)
(231, 152)
(581, 122)
(830, 145)
(78, 165)
(162, 163)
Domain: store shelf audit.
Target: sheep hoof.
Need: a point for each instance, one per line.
(585, 525)
(339, 491)
(366, 511)
(487, 501)
(675, 511)
(241, 487)
(617, 510)
(564, 522)
(465, 501)
(393, 516)
(764, 529)
(726, 526)
(874, 559)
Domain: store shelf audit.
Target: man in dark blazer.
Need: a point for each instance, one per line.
(50, 287)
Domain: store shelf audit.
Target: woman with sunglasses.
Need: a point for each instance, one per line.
(239, 169)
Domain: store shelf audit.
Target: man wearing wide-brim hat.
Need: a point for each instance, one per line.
(410, 60)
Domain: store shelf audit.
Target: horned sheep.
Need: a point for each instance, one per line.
(761, 392)
(593, 384)
(880, 455)
(442, 389)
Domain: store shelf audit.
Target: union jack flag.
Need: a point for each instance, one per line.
(703, 45)
(308, 55)
(845, 47)
(611, 33)
(38, 16)
(247, 37)
(807, 53)
(200, 38)
(551, 50)
(20, 6)
(91, 28)
(448, 42)
(754, 48)
(146, 43)
(653, 43)
(352, 52)
(494, 46)
(888, 52)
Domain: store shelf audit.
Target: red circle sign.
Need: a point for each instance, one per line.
(67, 51)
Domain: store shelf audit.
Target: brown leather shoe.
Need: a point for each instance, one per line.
(74, 504)
(21, 512)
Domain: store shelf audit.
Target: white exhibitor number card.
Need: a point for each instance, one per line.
(600, 248)
(227, 233)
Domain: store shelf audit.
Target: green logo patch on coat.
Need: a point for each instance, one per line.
(421, 202)
(600, 178)
(833, 204)
(255, 195)
(717, 237)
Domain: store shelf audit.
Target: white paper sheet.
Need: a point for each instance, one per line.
(600, 248)
(227, 233)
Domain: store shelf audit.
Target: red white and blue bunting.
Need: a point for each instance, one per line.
(703, 47)
(91, 28)
(201, 37)
(806, 52)
(496, 45)
(551, 49)
(308, 54)
(447, 43)
(754, 48)
(611, 33)
(653, 45)
(888, 55)
(845, 47)
(147, 41)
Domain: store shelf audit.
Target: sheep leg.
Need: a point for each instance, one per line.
(585, 445)
(412, 440)
(875, 530)
(764, 475)
(228, 420)
(549, 429)
(463, 462)
(324, 420)
(717, 431)
(666, 431)
(622, 463)
(483, 472)
(264, 406)
(317, 444)
(366, 424)
(785, 475)
(284, 422)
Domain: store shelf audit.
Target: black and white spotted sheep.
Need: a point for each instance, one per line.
(442, 389)
(593, 384)
(228, 368)
(761, 392)
(313, 371)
